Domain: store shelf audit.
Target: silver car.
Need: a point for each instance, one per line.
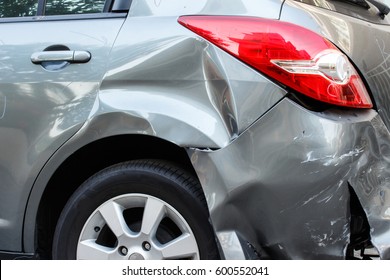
(194, 129)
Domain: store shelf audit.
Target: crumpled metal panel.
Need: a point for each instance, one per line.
(188, 91)
(283, 184)
(372, 58)
(372, 185)
(169, 83)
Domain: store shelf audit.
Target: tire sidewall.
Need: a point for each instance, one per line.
(103, 187)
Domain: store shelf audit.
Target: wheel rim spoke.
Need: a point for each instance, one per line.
(155, 211)
(182, 247)
(113, 215)
(89, 250)
(153, 214)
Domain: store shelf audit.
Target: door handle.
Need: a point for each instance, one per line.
(53, 56)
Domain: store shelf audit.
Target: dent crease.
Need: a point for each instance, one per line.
(372, 184)
(212, 99)
(311, 200)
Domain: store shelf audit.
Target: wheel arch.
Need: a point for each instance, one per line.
(82, 164)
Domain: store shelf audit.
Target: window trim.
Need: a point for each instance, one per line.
(112, 9)
(64, 17)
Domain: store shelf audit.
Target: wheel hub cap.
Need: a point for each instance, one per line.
(136, 256)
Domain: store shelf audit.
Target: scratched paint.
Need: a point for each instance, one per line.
(310, 201)
(372, 58)
(3, 105)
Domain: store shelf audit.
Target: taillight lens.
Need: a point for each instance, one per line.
(290, 54)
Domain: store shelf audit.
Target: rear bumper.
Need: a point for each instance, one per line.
(282, 185)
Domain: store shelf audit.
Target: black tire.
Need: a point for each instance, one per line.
(120, 194)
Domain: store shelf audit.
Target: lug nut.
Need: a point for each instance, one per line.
(123, 250)
(146, 246)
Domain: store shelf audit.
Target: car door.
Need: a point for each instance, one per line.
(53, 55)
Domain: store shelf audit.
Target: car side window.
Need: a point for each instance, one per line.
(18, 8)
(66, 7)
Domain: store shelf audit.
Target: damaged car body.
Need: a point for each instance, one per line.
(205, 129)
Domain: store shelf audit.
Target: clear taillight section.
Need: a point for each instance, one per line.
(290, 54)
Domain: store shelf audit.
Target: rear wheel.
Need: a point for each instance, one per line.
(136, 210)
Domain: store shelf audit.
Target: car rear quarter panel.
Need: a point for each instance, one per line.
(163, 80)
(187, 90)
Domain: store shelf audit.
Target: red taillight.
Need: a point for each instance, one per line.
(290, 54)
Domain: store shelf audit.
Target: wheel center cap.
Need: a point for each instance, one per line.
(136, 256)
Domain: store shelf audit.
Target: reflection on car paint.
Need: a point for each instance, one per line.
(3, 105)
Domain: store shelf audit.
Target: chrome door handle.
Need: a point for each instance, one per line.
(69, 56)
